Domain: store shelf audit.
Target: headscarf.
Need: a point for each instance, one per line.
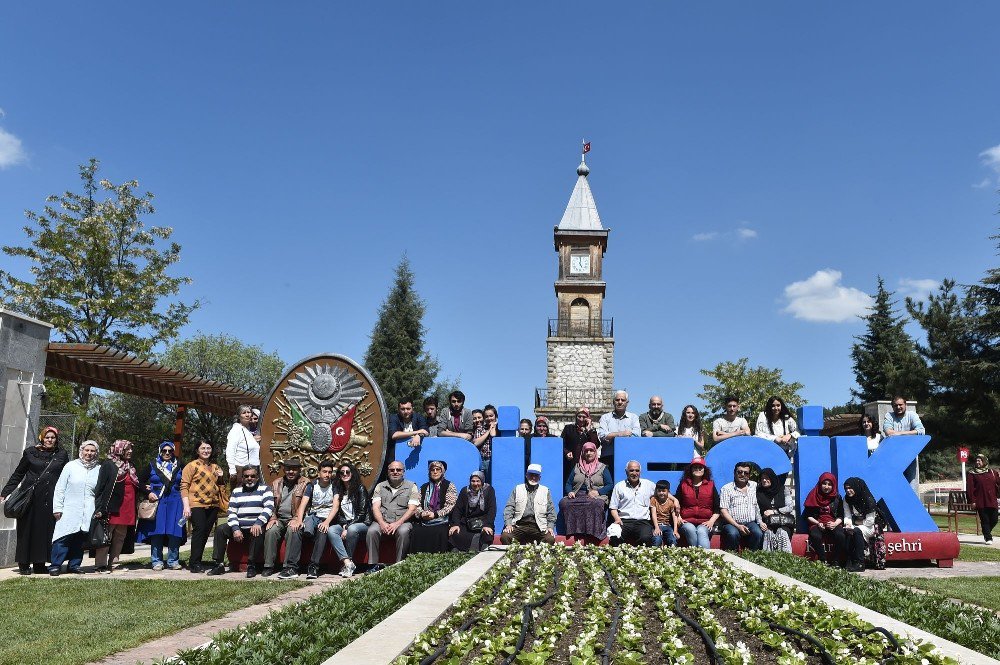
(125, 467)
(772, 497)
(436, 500)
(89, 465)
(586, 412)
(862, 501)
(816, 498)
(41, 437)
(986, 464)
(588, 468)
(541, 419)
(166, 469)
(477, 499)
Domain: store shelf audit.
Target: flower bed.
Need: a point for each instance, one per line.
(627, 605)
(313, 630)
(972, 627)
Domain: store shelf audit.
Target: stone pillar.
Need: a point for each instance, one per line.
(23, 342)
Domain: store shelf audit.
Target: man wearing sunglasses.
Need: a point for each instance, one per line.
(739, 511)
(250, 507)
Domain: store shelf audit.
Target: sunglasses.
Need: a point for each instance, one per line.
(345, 472)
(250, 476)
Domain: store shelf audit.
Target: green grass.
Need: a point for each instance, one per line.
(311, 631)
(978, 553)
(982, 591)
(69, 621)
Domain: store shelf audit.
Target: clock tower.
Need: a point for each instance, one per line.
(580, 344)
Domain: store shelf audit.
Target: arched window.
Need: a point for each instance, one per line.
(579, 316)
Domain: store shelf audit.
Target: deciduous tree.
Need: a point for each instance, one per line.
(751, 385)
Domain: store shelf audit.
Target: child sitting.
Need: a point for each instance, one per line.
(663, 508)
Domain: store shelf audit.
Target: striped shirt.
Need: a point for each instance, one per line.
(249, 508)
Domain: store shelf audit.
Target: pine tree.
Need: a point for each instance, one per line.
(396, 357)
(986, 327)
(885, 358)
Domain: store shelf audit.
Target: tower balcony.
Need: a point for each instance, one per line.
(580, 327)
(570, 399)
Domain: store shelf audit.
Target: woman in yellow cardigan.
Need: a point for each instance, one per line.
(201, 491)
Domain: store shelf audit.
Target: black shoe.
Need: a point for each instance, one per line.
(196, 568)
(40, 568)
(217, 569)
(24, 570)
(854, 567)
(54, 572)
(251, 572)
(75, 571)
(312, 572)
(374, 568)
(288, 574)
(267, 572)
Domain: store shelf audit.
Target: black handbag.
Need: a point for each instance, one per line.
(780, 520)
(99, 534)
(474, 524)
(19, 500)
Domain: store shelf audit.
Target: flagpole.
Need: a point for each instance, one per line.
(583, 153)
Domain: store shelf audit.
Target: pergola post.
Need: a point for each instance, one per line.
(179, 428)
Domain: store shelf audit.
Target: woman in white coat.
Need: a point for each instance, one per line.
(73, 508)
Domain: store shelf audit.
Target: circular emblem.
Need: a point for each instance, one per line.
(325, 407)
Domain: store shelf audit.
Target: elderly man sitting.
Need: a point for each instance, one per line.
(530, 515)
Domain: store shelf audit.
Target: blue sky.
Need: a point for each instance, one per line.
(758, 166)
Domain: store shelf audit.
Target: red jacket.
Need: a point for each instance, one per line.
(697, 504)
(982, 488)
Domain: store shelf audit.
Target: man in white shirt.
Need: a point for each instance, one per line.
(617, 423)
(730, 424)
(630, 508)
(739, 511)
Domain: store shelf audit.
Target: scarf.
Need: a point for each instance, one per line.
(772, 497)
(586, 412)
(862, 502)
(89, 465)
(41, 439)
(478, 499)
(823, 502)
(125, 467)
(166, 469)
(588, 468)
(986, 465)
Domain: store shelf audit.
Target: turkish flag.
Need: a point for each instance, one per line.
(586, 147)
(341, 430)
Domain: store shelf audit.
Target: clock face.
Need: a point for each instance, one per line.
(579, 264)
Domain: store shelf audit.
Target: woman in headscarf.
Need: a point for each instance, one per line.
(541, 426)
(824, 511)
(588, 490)
(73, 507)
(778, 511)
(161, 482)
(39, 469)
(982, 487)
(574, 435)
(473, 516)
(860, 513)
(437, 499)
(117, 498)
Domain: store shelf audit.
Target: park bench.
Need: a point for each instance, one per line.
(959, 504)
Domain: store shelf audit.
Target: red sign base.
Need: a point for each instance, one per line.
(939, 546)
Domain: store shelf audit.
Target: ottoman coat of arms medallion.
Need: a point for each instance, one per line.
(325, 407)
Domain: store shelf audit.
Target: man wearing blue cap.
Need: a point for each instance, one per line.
(530, 515)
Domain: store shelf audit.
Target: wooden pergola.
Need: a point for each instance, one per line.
(110, 369)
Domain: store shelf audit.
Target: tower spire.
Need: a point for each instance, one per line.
(581, 211)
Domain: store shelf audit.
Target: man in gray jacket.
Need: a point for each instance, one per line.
(530, 515)
(394, 502)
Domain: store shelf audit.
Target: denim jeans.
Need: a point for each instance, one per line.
(731, 537)
(69, 546)
(696, 535)
(156, 549)
(342, 549)
(666, 536)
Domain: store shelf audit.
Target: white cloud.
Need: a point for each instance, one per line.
(11, 151)
(824, 299)
(983, 184)
(991, 159)
(738, 234)
(918, 289)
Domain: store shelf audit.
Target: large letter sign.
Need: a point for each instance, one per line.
(844, 456)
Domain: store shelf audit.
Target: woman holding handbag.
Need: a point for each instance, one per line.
(161, 513)
(472, 519)
(116, 503)
(34, 479)
(778, 510)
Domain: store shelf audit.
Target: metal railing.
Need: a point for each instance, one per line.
(565, 327)
(573, 398)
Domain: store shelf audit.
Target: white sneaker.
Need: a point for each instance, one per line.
(348, 569)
